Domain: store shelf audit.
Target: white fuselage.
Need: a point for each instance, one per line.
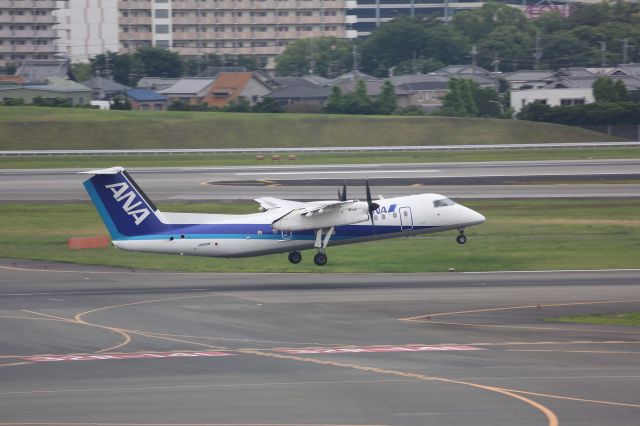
(256, 234)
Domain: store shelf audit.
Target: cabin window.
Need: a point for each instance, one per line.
(443, 202)
(395, 215)
(375, 217)
(405, 213)
(384, 217)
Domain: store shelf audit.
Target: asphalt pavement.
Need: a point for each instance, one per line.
(536, 179)
(97, 345)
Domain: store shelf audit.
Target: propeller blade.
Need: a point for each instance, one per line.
(342, 196)
(372, 206)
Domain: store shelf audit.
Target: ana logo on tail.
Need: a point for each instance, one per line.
(120, 193)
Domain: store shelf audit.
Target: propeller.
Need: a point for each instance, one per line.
(342, 195)
(372, 206)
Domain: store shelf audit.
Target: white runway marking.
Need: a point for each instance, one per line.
(334, 172)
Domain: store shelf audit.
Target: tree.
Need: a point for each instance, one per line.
(535, 111)
(386, 102)
(454, 102)
(335, 102)
(324, 56)
(237, 105)
(358, 101)
(159, 62)
(393, 42)
(81, 71)
(267, 105)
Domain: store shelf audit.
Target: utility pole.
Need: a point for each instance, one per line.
(474, 53)
(537, 53)
(625, 48)
(355, 61)
(414, 62)
(312, 59)
(603, 54)
(496, 62)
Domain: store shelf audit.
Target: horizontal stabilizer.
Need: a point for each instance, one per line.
(109, 171)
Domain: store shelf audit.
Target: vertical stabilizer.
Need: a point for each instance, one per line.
(124, 208)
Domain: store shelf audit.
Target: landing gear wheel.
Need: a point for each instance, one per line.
(295, 257)
(461, 239)
(320, 259)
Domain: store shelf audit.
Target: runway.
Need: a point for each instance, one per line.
(85, 345)
(539, 179)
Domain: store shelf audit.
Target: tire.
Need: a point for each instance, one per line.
(461, 239)
(320, 259)
(295, 257)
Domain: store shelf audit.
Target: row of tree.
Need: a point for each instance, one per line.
(496, 36)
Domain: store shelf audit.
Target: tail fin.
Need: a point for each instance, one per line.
(124, 208)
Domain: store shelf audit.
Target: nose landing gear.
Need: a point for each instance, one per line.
(461, 238)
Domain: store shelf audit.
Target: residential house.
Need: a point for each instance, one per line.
(190, 90)
(481, 76)
(570, 86)
(68, 90)
(527, 79)
(301, 93)
(426, 91)
(146, 100)
(229, 86)
(104, 88)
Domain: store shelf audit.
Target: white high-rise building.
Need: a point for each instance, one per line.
(87, 28)
(27, 30)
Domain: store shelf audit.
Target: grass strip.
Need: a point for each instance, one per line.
(206, 160)
(68, 128)
(518, 235)
(627, 319)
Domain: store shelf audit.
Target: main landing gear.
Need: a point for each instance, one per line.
(321, 243)
(461, 238)
(295, 257)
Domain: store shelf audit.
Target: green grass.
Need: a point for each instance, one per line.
(628, 319)
(518, 235)
(87, 162)
(60, 128)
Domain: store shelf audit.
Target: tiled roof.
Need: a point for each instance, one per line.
(192, 86)
(156, 83)
(527, 75)
(300, 92)
(227, 87)
(106, 84)
(145, 95)
(214, 71)
(39, 70)
(418, 78)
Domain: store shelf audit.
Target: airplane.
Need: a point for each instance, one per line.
(136, 224)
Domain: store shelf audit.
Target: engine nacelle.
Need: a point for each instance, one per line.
(297, 220)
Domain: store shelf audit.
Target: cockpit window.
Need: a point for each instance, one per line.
(443, 202)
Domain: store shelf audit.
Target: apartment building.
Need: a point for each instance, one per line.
(262, 28)
(87, 28)
(27, 30)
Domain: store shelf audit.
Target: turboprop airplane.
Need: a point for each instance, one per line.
(136, 224)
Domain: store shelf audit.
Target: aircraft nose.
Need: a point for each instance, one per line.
(475, 218)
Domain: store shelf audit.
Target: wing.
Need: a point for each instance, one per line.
(269, 203)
